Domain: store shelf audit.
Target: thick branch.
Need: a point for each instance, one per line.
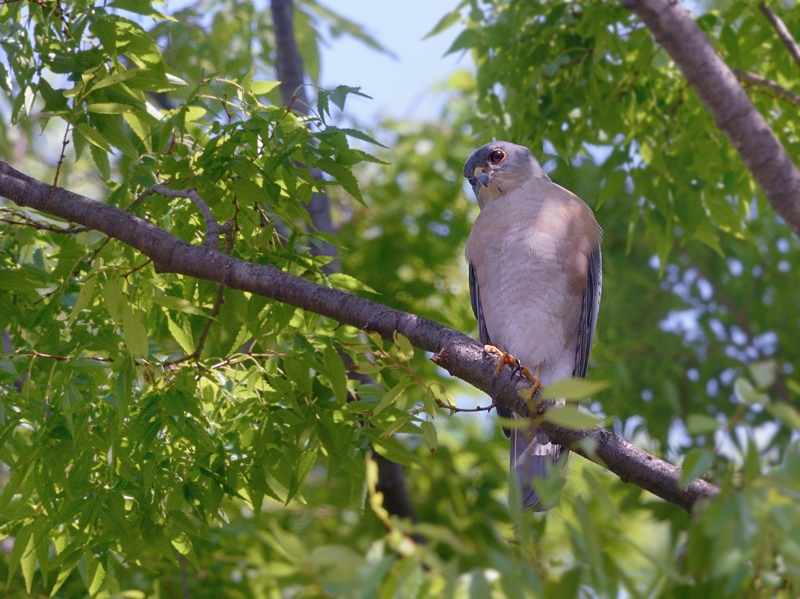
(457, 353)
(715, 84)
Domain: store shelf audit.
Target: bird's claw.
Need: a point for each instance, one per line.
(505, 358)
(533, 378)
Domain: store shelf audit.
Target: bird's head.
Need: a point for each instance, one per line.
(498, 168)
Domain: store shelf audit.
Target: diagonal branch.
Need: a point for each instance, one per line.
(769, 83)
(457, 353)
(780, 28)
(715, 84)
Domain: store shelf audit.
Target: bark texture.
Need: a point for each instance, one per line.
(457, 353)
(717, 87)
(289, 65)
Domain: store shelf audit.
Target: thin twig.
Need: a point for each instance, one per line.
(64, 144)
(213, 229)
(780, 28)
(759, 80)
(215, 310)
(234, 357)
(136, 268)
(29, 222)
(36, 354)
(184, 576)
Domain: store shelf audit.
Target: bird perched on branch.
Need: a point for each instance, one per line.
(535, 280)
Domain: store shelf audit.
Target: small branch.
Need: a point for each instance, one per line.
(213, 228)
(36, 354)
(64, 144)
(27, 221)
(212, 317)
(456, 410)
(783, 33)
(759, 80)
(184, 576)
(137, 268)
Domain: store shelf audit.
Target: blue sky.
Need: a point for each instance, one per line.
(401, 87)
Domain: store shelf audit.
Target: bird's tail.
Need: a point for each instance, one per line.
(532, 455)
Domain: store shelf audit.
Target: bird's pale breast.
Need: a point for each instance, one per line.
(532, 258)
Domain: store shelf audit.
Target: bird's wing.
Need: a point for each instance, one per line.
(475, 300)
(483, 334)
(589, 311)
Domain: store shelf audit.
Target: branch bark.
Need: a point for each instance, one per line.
(759, 80)
(289, 65)
(457, 353)
(783, 32)
(291, 74)
(715, 84)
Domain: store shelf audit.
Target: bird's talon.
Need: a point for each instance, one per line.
(505, 358)
(533, 378)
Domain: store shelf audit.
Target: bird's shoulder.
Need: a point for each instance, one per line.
(539, 205)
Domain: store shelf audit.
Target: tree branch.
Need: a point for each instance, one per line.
(759, 80)
(715, 84)
(289, 65)
(457, 353)
(780, 28)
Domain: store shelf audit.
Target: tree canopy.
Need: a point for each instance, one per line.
(222, 373)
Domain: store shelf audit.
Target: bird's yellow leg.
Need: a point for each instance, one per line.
(505, 358)
(533, 378)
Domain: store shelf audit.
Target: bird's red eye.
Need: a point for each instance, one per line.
(497, 156)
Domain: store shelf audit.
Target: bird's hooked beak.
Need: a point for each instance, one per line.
(480, 178)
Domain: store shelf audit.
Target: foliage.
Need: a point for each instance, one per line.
(246, 470)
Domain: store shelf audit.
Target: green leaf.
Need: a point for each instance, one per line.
(304, 466)
(612, 187)
(445, 23)
(391, 396)
(343, 281)
(93, 137)
(788, 414)
(134, 332)
(113, 80)
(763, 372)
(183, 337)
(84, 297)
(570, 416)
(700, 424)
(405, 351)
(96, 574)
(177, 303)
(697, 463)
(747, 393)
(23, 545)
(394, 426)
(429, 436)
(112, 293)
(335, 371)
(342, 175)
(574, 389)
(390, 448)
(109, 108)
(28, 563)
(466, 39)
(263, 87)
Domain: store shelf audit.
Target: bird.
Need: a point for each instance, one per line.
(535, 281)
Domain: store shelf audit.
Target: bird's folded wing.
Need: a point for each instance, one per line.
(589, 311)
